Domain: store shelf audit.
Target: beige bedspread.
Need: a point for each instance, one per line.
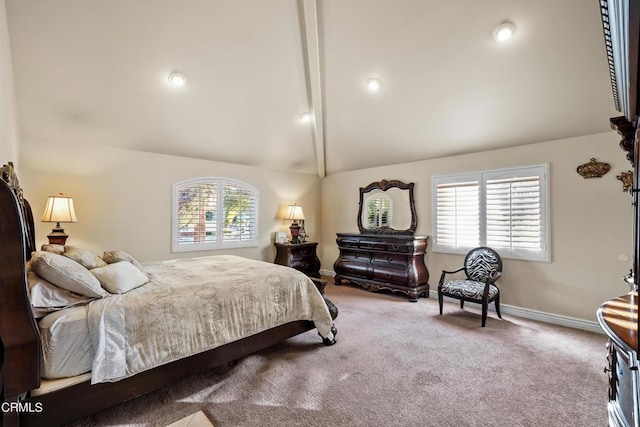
(193, 305)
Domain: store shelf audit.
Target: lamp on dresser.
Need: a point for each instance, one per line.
(59, 209)
(295, 214)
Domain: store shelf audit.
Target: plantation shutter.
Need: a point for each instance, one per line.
(197, 209)
(513, 207)
(505, 209)
(239, 208)
(458, 214)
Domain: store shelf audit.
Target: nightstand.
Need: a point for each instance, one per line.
(301, 256)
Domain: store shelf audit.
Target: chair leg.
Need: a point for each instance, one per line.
(461, 303)
(497, 302)
(440, 301)
(485, 307)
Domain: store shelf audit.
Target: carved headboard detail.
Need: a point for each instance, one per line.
(8, 175)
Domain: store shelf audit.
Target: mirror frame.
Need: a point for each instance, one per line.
(385, 185)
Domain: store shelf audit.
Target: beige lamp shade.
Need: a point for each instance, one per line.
(59, 209)
(294, 213)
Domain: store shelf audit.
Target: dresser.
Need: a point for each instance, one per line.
(301, 256)
(393, 262)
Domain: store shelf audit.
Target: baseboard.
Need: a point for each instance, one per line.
(541, 316)
(525, 313)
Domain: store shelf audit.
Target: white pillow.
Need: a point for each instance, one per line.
(67, 274)
(46, 297)
(120, 277)
(56, 249)
(84, 257)
(117, 256)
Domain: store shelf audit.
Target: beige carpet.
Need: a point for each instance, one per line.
(397, 364)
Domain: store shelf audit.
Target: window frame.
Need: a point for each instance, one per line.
(540, 170)
(219, 243)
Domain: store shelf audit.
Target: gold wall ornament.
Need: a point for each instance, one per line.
(593, 169)
(627, 180)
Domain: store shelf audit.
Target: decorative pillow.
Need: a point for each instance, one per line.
(116, 256)
(56, 249)
(46, 297)
(85, 258)
(120, 277)
(67, 274)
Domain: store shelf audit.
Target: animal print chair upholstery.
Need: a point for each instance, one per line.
(482, 266)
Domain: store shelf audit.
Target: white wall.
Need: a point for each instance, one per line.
(8, 122)
(590, 222)
(123, 201)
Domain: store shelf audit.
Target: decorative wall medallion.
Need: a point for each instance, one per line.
(593, 169)
(627, 180)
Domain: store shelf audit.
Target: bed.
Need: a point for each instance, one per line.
(64, 364)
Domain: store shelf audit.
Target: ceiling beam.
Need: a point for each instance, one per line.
(314, 81)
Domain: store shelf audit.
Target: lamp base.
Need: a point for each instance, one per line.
(295, 233)
(57, 236)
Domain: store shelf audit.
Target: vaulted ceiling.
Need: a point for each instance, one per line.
(95, 72)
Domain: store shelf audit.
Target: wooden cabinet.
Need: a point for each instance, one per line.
(301, 256)
(393, 262)
(618, 319)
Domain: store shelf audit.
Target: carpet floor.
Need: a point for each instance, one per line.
(396, 364)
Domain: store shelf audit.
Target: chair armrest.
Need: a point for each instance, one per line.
(494, 277)
(444, 272)
(490, 280)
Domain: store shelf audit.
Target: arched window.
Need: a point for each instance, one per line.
(212, 213)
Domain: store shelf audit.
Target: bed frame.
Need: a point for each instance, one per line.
(20, 352)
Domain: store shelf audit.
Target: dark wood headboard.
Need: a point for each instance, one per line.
(18, 328)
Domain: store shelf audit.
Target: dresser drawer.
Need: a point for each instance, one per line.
(349, 256)
(353, 268)
(388, 259)
(390, 274)
(304, 265)
(303, 253)
(375, 245)
(348, 243)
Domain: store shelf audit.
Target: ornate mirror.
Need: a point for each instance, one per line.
(387, 207)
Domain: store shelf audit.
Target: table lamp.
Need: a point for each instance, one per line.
(295, 213)
(59, 209)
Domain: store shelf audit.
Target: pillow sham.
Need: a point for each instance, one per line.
(46, 298)
(120, 277)
(84, 257)
(116, 256)
(67, 274)
(56, 249)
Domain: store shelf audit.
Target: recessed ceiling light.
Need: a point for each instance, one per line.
(504, 32)
(374, 85)
(305, 118)
(177, 79)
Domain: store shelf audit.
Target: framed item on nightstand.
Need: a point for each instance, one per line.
(281, 237)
